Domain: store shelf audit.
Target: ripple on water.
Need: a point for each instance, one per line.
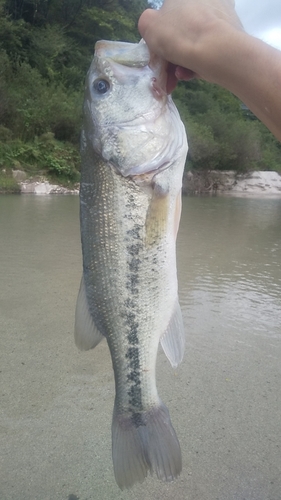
(229, 261)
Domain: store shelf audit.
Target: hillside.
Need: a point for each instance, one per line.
(45, 50)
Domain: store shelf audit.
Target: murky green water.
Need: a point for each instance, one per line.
(225, 399)
(230, 264)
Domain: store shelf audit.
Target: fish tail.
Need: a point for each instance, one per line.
(143, 442)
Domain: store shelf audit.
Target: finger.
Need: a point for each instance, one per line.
(176, 73)
(145, 20)
(184, 73)
(171, 78)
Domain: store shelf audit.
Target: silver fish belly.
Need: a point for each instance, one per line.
(133, 150)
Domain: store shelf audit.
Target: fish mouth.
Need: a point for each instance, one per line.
(136, 55)
(159, 66)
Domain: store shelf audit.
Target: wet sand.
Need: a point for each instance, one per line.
(56, 402)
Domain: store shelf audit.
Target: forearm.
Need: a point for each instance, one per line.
(251, 69)
(206, 39)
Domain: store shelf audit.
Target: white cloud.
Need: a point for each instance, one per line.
(273, 37)
(262, 19)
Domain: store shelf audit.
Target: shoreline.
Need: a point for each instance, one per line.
(230, 182)
(204, 182)
(44, 187)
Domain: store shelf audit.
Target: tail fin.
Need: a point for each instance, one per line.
(143, 442)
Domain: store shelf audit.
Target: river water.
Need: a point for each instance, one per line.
(224, 400)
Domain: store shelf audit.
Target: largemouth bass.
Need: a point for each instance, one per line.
(133, 151)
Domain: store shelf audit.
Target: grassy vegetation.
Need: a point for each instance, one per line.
(7, 183)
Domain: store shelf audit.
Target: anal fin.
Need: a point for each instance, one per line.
(86, 334)
(173, 340)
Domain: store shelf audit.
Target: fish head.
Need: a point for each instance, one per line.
(129, 119)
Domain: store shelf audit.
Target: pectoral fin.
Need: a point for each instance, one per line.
(173, 340)
(86, 333)
(156, 218)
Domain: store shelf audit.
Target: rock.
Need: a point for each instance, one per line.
(43, 187)
(230, 182)
(194, 182)
(261, 182)
(35, 187)
(19, 175)
(208, 181)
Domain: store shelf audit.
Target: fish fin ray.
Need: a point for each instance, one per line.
(148, 445)
(177, 214)
(86, 334)
(173, 339)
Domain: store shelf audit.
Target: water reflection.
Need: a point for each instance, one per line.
(229, 260)
(229, 257)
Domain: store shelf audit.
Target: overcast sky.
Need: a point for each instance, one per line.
(261, 18)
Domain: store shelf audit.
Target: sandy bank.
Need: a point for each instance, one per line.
(194, 182)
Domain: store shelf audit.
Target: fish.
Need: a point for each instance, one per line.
(133, 150)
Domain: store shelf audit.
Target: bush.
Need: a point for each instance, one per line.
(7, 183)
(238, 141)
(41, 107)
(45, 50)
(203, 148)
(44, 155)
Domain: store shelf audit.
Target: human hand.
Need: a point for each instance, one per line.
(188, 34)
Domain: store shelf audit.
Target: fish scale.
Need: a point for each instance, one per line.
(129, 221)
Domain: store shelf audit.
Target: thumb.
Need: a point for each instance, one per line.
(146, 22)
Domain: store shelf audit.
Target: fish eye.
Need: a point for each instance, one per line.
(101, 86)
